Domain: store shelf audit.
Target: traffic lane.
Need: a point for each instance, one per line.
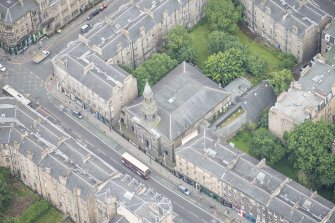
(184, 208)
(181, 205)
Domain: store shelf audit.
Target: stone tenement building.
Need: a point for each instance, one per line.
(24, 22)
(311, 97)
(328, 38)
(92, 83)
(169, 114)
(293, 26)
(66, 172)
(136, 29)
(252, 189)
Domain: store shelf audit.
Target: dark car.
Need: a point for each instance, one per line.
(94, 13)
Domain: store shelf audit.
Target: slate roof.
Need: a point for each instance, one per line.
(318, 79)
(132, 194)
(290, 13)
(183, 97)
(123, 26)
(255, 180)
(12, 10)
(101, 79)
(51, 148)
(256, 99)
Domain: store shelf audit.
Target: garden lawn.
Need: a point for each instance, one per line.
(199, 37)
(257, 49)
(242, 140)
(52, 215)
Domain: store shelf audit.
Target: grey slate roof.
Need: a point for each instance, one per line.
(101, 79)
(12, 10)
(318, 79)
(126, 24)
(301, 16)
(259, 182)
(51, 148)
(132, 194)
(183, 97)
(256, 99)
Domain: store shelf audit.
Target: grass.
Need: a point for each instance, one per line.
(52, 215)
(199, 37)
(256, 49)
(232, 117)
(242, 140)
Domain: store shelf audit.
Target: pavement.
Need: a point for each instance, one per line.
(47, 42)
(221, 212)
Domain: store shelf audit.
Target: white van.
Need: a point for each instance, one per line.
(85, 28)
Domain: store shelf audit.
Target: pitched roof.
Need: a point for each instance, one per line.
(260, 182)
(184, 96)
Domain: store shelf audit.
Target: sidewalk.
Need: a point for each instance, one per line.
(48, 41)
(201, 199)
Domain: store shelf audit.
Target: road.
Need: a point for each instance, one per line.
(29, 79)
(109, 150)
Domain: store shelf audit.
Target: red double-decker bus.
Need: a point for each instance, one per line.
(135, 165)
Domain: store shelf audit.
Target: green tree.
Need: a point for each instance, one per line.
(223, 15)
(257, 66)
(6, 194)
(309, 146)
(225, 66)
(153, 69)
(264, 121)
(126, 67)
(179, 45)
(281, 80)
(266, 145)
(288, 62)
(221, 41)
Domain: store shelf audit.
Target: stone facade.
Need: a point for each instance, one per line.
(311, 97)
(24, 22)
(248, 186)
(134, 33)
(103, 88)
(70, 176)
(292, 26)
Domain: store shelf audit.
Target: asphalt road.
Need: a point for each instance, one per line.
(29, 79)
(110, 151)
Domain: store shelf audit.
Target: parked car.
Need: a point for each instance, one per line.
(103, 7)
(184, 190)
(85, 28)
(2, 68)
(94, 13)
(77, 114)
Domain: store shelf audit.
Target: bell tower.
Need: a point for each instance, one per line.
(149, 104)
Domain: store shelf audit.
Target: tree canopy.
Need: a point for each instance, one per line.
(6, 193)
(223, 15)
(266, 145)
(179, 45)
(221, 41)
(225, 66)
(309, 147)
(153, 69)
(257, 66)
(281, 80)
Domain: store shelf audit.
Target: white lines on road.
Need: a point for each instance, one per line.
(157, 181)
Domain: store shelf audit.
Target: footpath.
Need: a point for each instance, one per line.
(46, 42)
(208, 204)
